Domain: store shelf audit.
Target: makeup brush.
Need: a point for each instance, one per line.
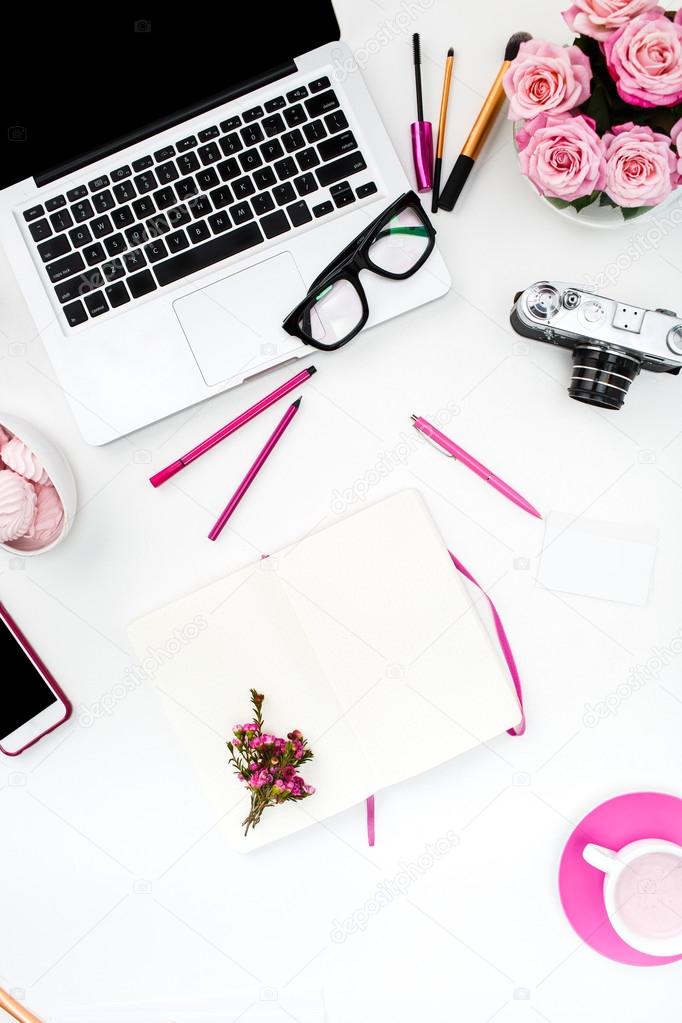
(482, 127)
(445, 98)
(422, 132)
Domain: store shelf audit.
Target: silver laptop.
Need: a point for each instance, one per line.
(174, 187)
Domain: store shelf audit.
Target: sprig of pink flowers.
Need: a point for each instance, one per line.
(268, 765)
(603, 117)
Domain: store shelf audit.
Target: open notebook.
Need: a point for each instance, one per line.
(362, 635)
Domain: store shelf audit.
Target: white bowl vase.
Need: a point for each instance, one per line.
(57, 468)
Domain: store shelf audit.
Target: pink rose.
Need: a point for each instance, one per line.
(548, 78)
(641, 169)
(678, 17)
(676, 136)
(601, 18)
(645, 60)
(562, 156)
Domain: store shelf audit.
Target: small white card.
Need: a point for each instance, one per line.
(607, 560)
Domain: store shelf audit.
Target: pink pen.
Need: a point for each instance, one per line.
(450, 448)
(165, 474)
(254, 470)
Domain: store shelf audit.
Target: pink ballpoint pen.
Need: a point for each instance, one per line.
(289, 385)
(254, 470)
(450, 448)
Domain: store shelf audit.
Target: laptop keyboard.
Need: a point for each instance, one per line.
(270, 170)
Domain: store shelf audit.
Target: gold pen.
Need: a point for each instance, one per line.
(440, 142)
(18, 1012)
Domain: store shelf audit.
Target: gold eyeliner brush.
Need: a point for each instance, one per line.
(440, 142)
(482, 127)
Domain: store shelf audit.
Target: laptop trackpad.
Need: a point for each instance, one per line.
(235, 325)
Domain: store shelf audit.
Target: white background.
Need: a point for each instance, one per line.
(114, 882)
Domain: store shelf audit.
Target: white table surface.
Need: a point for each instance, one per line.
(114, 882)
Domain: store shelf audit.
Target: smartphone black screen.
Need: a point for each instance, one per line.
(23, 691)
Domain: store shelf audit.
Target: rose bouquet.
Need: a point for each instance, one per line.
(601, 120)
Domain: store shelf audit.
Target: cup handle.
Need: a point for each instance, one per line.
(599, 857)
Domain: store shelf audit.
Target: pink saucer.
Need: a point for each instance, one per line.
(614, 824)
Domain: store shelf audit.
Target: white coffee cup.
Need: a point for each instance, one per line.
(643, 893)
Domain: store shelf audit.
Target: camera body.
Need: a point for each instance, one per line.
(611, 341)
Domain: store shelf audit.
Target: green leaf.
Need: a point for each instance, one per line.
(586, 200)
(606, 200)
(630, 212)
(560, 204)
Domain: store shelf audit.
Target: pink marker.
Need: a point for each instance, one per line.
(225, 431)
(455, 451)
(254, 470)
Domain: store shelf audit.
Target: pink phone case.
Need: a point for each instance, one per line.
(44, 670)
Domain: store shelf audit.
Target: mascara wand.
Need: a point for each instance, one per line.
(422, 131)
(482, 127)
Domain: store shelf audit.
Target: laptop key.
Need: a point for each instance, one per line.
(337, 145)
(219, 222)
(54, 247)
(201, 207)
(297, 94)
(209, 153)
(286, 168)
(342, 194)
(77, 287)
(97, 184)
(271, 150)
(33, 213)
(323, 209)
(141, 284)
(314, 131)
(242, 188)
(97, 303)
(319, 84)
(145, 182)
(117, 294)
(365, 190)
(275, 104)
(122, 217)
(136, 235)
(208, 133)
(273, 125)
(101, 226)
(40, 229)
(207, 179)
(264, 178)
(305, 184)
(186, 188)
(295, 115)
(321, 103)
(284, 194)
(343, 168)
(112, 270)
(144, 207)
(125, 191)
(94, 254)
(179, 215)
(66, 267)
(275, 224)
(241, 212)
(161, 155)
(250, 160)
(166, 172)
(307, 159)
(115, 244)
(120, 173)
(251, 135)
(55, 203)
(184, 144)
(231, 144)
(143, 163)
(231, 123)
(82, 211)
(177, 241)
(80, 236)
(293, 140)
(164, 198)
(221, 196)
(228, 169)
(75, 313)
(336, 121)
(221, 247)
(155, 251)
(79, 192)
(299, 213)
(103, 201)
(262, 203)
(198, 232)
(134, 260)
(157, 226)
(61, 220)
(187, 163)
(253, 114)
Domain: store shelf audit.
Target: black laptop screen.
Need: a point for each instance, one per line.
(83, 77)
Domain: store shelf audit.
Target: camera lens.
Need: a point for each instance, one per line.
(602, 376)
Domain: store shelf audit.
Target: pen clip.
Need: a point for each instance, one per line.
(438, 447)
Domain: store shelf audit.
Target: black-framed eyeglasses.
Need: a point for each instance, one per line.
(395, 245)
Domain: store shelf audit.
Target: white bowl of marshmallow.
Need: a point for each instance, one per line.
(37, 490)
